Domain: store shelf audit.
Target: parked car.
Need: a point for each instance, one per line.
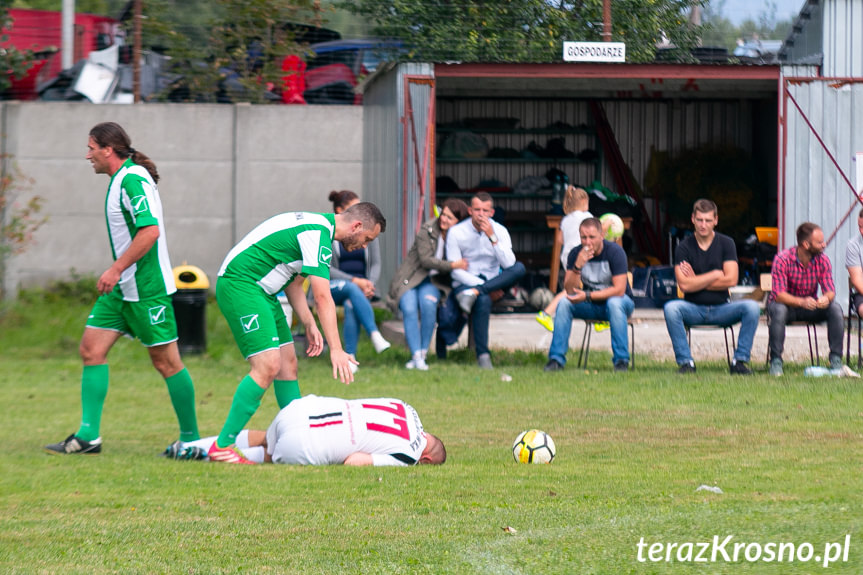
(334, 69)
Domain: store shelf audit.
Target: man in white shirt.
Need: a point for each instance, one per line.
(316, 430)
(487, 248)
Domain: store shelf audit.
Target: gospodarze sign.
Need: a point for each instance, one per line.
(594, 52)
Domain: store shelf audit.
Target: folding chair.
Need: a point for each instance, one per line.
(811, 332)
(852, 311)
(725, 329)
(585, 341)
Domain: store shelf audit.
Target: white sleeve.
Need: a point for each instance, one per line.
(379, 460)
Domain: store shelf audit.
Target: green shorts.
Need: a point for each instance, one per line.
(152, 320)
(256, 318)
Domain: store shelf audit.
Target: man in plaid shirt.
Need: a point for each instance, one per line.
(797, 274)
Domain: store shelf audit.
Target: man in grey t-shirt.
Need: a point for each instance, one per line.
(854, 263)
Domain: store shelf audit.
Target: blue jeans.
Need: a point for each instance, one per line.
(451, 320)
(419, 314)
(680, 314)
(615, 310)
(358, 311)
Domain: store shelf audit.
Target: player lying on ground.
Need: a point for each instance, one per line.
(316, 430)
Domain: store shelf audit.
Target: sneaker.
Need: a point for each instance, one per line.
(417, 362)
(776, 367)
(74, 444)
(553, 365)
(835, 362)
(740, 368)
(545, 320)
(601, 326)
(179, 450)
(381, 345)
(621, 365)
(686, 368)
(484, 361)
(227, 455)
(466, 299)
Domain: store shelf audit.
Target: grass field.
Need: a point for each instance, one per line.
(632, 451)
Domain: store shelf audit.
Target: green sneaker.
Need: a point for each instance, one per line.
(545, 320)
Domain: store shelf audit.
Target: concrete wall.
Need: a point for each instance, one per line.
(223, 168)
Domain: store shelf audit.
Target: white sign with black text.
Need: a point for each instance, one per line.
(594, 52)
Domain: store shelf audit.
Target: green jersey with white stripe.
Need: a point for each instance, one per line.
(133, 203)
(273, 253)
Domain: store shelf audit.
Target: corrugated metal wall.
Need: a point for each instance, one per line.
(384, 158)
(842, 38)
(814, 189)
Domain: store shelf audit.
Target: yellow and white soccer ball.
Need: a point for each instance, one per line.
(533, 446)
(612, 226)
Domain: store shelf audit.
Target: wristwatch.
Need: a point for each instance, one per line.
(493, 238)
(587, 297)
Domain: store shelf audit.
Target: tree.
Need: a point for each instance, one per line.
(524, 30)
(13, 62)
(227, 50)
(18, 222)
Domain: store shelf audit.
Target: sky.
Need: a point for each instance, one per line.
(739, 10)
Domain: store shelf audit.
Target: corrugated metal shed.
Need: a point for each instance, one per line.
(823, 129)
(388, 159)
(828, 33)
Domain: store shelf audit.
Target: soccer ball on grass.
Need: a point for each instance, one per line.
(533, 446)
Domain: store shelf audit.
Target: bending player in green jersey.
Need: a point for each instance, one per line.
(136, 290)
(275, 256)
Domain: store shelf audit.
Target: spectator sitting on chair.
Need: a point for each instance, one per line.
(422, 278)
(492, 268)
(705, 267)
(796, 274)
(854, 263)
(596, 289)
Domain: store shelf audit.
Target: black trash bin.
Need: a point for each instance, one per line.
(190, 308)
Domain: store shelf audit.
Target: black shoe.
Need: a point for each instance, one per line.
(552, 365)
(73, 444)
(740, 368)
(178, 450)
(686, 368)
(621, 365)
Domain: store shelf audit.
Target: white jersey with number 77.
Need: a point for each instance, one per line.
(316, 430)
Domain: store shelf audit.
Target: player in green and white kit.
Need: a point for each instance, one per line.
(275, 256)
(136, 290)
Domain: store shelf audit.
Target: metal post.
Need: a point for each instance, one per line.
(136, 53)
(67, 53)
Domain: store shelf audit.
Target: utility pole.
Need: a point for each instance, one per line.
(136, 52)
(606, 20)
(67, 33)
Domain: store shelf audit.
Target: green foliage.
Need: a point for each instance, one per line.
(226, 49)
(13, 62)
(632, 450)
(18, 220)
(523, 30)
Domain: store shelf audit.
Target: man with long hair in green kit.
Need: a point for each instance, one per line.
(135, 291)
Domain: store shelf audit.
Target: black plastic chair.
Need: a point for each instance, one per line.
(725, 329)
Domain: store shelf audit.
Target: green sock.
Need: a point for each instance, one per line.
(182, 392)
(94, 389)
(286, 391)
(247, 399)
